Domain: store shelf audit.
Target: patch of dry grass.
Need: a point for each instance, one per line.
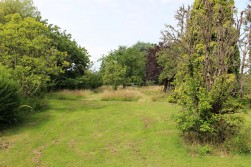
(71, 94)
(4, 144)
(154, 92)
(103, 89)
(106, 93)
(151, 90)
(120, 95)
(160, 98)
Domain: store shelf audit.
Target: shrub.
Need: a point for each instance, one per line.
(10, 97)
(214, 129)
(227, 131)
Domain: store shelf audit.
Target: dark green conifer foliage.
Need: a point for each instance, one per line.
(207, 76)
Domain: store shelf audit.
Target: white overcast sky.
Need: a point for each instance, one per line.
(102, 25)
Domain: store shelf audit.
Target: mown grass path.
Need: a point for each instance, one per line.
(91, 133)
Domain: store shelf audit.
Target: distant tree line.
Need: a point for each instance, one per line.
(125, 66)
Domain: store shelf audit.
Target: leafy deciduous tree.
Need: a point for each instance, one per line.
(153, 69)
(114, 74)
(133, 59)
(25, 8)
(27, 48)
(76, 55)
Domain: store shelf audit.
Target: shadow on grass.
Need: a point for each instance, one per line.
(29, 120)
(26, 119)
(75, 105)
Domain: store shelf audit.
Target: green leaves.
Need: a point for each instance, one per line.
(207, 76)
(9, 96)
(25, 8)
(131, 59)
(29, 51)
(114, 74)
(75, 63)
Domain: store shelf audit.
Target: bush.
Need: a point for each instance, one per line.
(226, 132)
(10, 98)
(214, 129)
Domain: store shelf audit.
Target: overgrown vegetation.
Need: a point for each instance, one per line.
(10, 97)
(203, 63)
(39, 56)
(202, 56)
(120, 95)
(69, 94)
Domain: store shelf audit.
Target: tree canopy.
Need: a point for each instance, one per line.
(76, 56)
(39, 53)
(133, 59)
(27, 48)
(25, 8)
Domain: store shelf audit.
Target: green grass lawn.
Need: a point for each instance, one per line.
(90, 132)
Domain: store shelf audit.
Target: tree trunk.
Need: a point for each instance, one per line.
(115, 87)
(165, 85)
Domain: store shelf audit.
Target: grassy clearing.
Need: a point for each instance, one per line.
(86, 132)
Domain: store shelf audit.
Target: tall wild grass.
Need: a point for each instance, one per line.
(70, 94)
(120, 95)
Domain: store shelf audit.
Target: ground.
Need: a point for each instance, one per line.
(87, 131)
